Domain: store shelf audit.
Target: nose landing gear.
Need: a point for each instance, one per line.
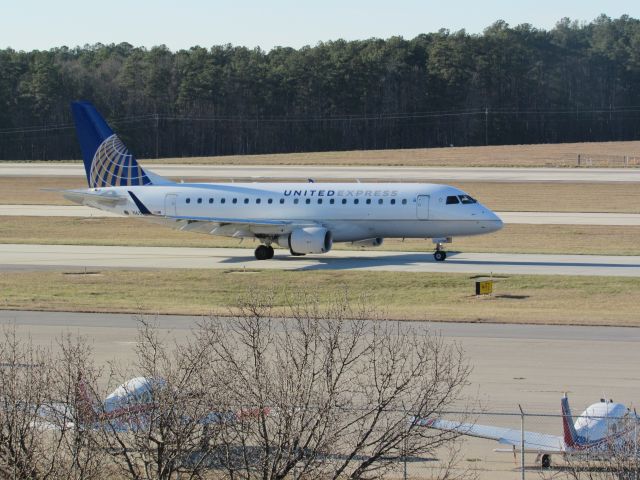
(440, 255)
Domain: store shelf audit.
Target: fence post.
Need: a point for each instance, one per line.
(635, 446)
(522, 475)
(405, 447)
(578, 159)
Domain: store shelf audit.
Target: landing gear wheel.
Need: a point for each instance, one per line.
(545, 461)
(263, 252)
(440, 255)
(271, 252)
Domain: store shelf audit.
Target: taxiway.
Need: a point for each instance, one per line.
(35, 257)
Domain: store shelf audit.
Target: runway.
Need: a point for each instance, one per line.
(389, 174)
(36, 257)
(536, 218)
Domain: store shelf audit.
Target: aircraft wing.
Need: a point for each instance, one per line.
(533, 441)
(232, 227)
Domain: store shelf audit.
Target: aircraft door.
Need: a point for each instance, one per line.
(422, 207)
(170, 202)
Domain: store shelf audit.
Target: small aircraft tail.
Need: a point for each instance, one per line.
(107, 162)
(86, 408)
(570, 434)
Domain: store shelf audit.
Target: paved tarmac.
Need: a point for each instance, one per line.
(37, 257)
(537, 218)
(390, 174)
(531, 365)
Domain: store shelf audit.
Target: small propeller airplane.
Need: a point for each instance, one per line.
(604, 429)
(126, 408)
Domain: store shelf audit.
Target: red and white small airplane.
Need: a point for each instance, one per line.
(127, 408)
(604, 429)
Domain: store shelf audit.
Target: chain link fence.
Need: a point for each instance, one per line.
(607, 161)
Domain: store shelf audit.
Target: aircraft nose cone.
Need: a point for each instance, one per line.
(491, 222)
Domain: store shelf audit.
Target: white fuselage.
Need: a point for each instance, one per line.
(351, 211)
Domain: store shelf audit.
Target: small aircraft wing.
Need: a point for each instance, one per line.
(533, 441)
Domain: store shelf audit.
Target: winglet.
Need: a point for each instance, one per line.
(143, 210)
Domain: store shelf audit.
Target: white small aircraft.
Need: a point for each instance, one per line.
(127, 408)
(305, 218)
(604, 429)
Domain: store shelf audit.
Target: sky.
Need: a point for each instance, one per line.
(178, 24)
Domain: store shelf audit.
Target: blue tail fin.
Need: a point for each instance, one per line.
(107, 161)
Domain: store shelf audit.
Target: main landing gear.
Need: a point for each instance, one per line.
(544, 460)
(439, 255)
(264, 252)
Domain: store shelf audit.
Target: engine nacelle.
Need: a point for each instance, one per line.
(369, 242)
(307, 240)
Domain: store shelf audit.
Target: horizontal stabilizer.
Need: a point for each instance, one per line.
(85, 197)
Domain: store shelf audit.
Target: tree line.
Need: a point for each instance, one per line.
(508, 85)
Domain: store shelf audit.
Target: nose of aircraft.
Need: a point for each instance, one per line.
(490, 221)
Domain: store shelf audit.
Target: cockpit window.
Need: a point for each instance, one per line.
(452, 200)
(466, 199)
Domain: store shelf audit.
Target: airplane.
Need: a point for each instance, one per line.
(306, 218)
(126, 408)
(601, 431)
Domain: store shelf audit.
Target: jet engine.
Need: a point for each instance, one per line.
(307, 240)
(369, 242)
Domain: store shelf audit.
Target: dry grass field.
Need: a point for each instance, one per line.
(545, 155)
(541, 155)
(515, 238)
(415, 296)
(499, 196)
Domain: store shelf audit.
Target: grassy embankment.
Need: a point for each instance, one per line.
(414, 296)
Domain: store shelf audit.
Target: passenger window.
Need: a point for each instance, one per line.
(356, 201)
(258, 200)
(307, 201)
(296, 200)
(188, 200)
(332, 201)
(246, 200)
(368, 201)
(222, 200)
(404, 201)
(380, 201)
(281, 201)
(270, 201)
(393, 201)
(199, 200)
(344, 201)
(452, 200)
(319, 201)
(235, 200)
(211, 200)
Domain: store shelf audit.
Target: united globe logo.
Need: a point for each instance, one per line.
(114, 166)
